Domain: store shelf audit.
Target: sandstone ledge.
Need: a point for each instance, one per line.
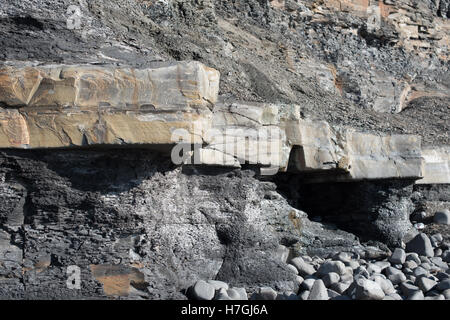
(66, 106)
(437, 166)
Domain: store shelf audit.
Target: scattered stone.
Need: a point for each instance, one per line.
(299, 280)
(436, 239)
(287, 296)
(332, 294)
(341, 298)
(352, 264)
(446, 294)
(421, 245)
(340, 287)
(373, 268)
(383, 264)
(330, 279)
(443, 285)
(417, 295)
(437, 261)
(398, 256)
(391, 270)
(304, 295)
(242, 293)
(221, 294)
(424, 259)
(308, 284)
(361, 272)
(203, 291)
(265, 293)
(396, 296)
(410, 265)
(332, 266)
(304, 269)
(318, 291)
(446, 256)
(234, 295)
(442, 217)
(397, 278)
(368, 290)
(218, 284)
(426, 266)
(425, 284)
(292, 268)
(408, 289)
(412, 256)
(385, 284)
(343, 257)
(442, 276)
(420, 271)
(347, 278)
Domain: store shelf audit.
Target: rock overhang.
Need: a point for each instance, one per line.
(60, 106)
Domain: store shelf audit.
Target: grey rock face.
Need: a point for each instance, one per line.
(138, 227)
(387, 206)
(134, 206)
(421, 245)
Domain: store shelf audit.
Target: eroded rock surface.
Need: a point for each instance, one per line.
(328, 128)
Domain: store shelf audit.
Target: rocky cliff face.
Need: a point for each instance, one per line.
(151, 144)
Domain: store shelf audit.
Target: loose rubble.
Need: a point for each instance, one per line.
(412, 275)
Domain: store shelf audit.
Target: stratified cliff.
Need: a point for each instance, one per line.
(152, 144)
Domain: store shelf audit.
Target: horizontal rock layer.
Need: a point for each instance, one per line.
(64, 106)
(437, 166)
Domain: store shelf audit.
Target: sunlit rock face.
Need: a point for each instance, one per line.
(61, 106)
(146, 145)
(67, 106)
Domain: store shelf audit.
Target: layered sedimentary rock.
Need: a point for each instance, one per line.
(65, 106)
(134, 225)
(437, 166)
(60, 106)
(346, 90)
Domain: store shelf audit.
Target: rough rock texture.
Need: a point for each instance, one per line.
(356, 91)
(66, 106)
(437, 166)
(139, 226)
(371, 209)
